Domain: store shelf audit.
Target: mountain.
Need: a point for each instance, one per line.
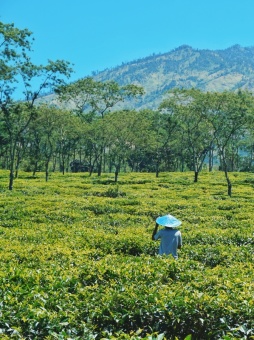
(184, 67)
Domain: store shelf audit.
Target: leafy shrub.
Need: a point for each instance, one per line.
(78, 262)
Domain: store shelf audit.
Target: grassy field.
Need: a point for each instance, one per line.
(78, 262)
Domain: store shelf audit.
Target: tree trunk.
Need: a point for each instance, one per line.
(12, 161)
(47, 171)
(35, 169)
(157, 169)
(117, 172)
(91, 170)
(17, 171)
(182, 164)
(11, 179)
(225, 169)
(63, 166)
(67, 163)
(116, 176)
(17, 165)
(195, 176)
(100, 166)
(210, 160)
(54, 161)
(228, 183)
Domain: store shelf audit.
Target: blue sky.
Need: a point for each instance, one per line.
(99, 34)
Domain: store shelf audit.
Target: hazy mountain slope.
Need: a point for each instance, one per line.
(208, 70)
(186, 67)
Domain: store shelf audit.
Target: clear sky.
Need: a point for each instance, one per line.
(99, 34)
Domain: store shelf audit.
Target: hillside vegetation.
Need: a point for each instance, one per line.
(78, 262)
(185, 67)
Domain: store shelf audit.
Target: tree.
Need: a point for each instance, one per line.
(17, 68)
(247, 147)
(189, 110)
(119, 129)
(228, 115)
(79, 96)
(69, 133)
(90, 98)
(47, 131)
(164, 130)
(142, 140)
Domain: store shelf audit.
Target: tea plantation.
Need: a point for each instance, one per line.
(78, 261)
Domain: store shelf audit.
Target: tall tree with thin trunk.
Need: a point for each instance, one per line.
(228, 115)
(188, 108)
(16, 68)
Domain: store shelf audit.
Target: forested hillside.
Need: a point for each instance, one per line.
(185, 67)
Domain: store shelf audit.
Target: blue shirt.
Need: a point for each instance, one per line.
(171, 239)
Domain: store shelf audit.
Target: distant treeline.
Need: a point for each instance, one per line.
(81, 129)
(191, 130)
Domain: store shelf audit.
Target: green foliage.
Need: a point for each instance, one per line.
(78, 262)
(88, 95)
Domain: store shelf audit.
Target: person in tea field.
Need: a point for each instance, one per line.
(171, 238)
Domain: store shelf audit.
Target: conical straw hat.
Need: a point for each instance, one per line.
(168, 221)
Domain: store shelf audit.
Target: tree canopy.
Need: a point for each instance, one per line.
(190, 129)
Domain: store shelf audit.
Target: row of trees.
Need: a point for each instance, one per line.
(18, 118)
(18, 72)
(215, 122)
(189, 129)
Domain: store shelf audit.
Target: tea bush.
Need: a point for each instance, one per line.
(78, 262)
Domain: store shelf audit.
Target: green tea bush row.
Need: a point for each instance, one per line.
(78, 262)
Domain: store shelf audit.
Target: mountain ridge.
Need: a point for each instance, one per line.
(227, 69)
(186, 67)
